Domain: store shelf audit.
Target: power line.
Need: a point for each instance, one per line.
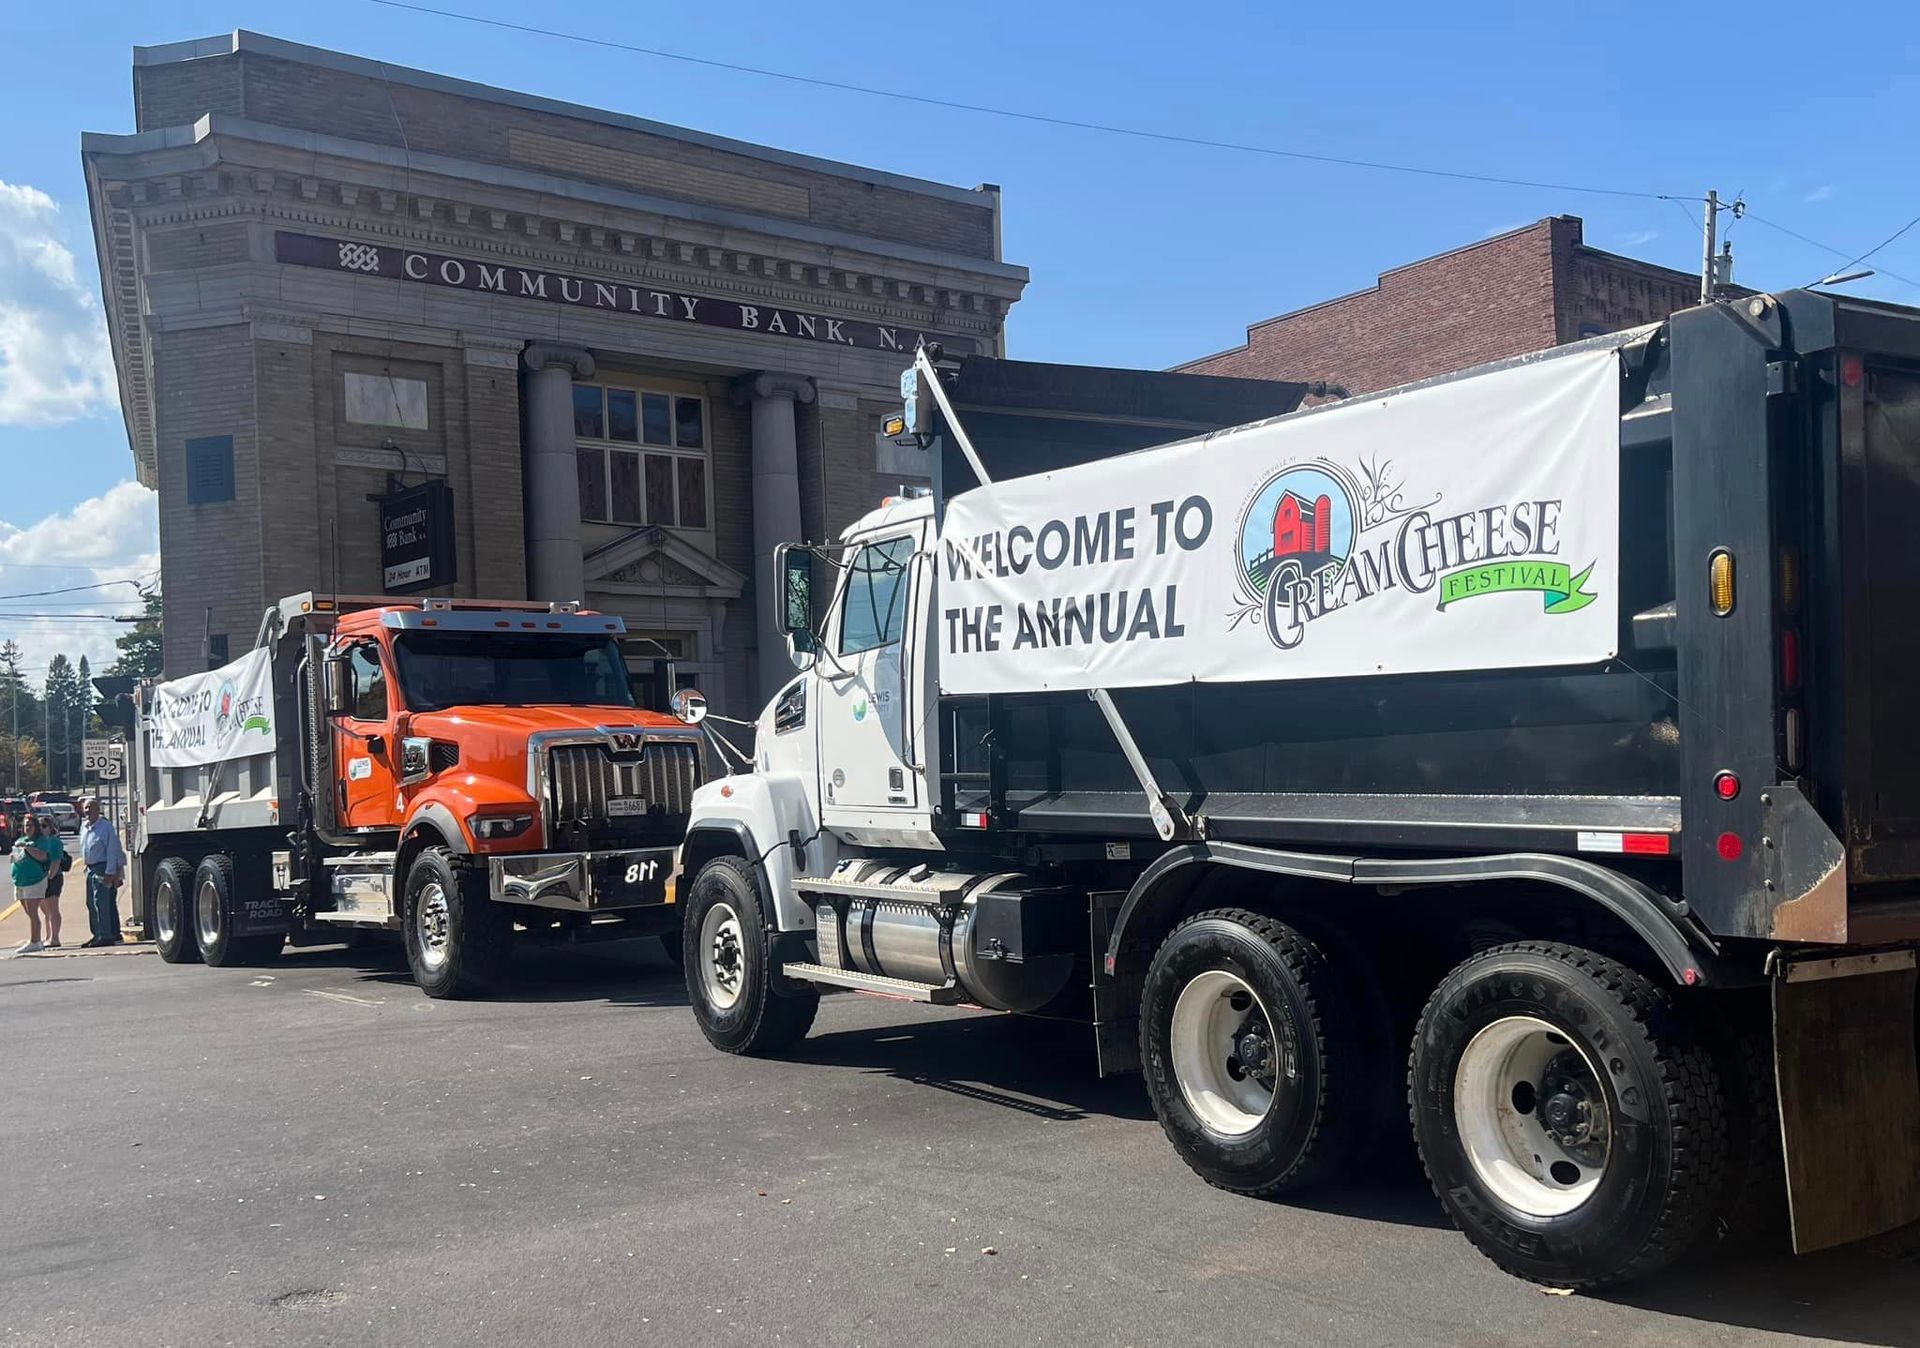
(1828, 248)
(1139, 133)
(69, 589)
(72, 617)
(1854, 262)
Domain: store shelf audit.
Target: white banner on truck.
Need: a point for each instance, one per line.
(1467, 525)
(207, 718)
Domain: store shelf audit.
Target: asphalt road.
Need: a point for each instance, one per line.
(316, 1153)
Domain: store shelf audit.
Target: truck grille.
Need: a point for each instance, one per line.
(583, 778)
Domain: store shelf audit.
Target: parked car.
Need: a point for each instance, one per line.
(64, 818)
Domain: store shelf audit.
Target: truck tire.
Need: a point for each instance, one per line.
(458, 939)
(173, 912)
(1259, 1058)
(1572, 1125)
(729, 966)
(214, 910)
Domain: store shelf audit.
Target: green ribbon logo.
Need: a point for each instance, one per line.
(259, 723)
(1563, 591)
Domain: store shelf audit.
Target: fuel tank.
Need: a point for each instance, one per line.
(993, 934)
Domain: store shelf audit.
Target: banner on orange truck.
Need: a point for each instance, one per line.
(208, 718)
(1472, 524)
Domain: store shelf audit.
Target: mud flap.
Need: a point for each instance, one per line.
(1848, 1073)
(1116, 1001)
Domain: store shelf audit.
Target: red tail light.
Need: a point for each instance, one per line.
(1730, 846)
(1790, 661)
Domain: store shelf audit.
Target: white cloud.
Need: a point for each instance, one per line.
(1640, 238)
(1820, 193)
(55, 363)
(104, 540)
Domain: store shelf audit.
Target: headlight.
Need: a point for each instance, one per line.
(493, 827)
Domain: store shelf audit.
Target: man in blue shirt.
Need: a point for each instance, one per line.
(106, 863)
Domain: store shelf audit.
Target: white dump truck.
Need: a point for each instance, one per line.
(1522, 757)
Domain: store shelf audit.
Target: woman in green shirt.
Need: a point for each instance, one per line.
(36, 855)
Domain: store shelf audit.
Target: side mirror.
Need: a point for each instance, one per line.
(689, 705)
(802, 656)
(339, 684)
(796, 596)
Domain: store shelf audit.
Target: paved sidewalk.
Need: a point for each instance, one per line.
(14, 927)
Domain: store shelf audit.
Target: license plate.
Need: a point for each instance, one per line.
(626, 805)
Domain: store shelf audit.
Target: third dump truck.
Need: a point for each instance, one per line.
(454, 771)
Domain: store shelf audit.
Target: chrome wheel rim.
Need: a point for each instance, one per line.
(1532, 1116)
(1226, 1057)
(722, 956)
(432, 918)
(206, 913)
(166, 917)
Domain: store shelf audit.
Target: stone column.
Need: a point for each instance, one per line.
(554, 569)
(776, 508)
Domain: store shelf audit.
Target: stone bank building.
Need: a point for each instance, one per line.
(378, 330)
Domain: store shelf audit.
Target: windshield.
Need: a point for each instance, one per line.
(503, 669)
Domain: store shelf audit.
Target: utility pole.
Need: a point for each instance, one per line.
(1706, 261)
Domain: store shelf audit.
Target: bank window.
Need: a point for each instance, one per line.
(876, 602)
(589, 422)
(642, 456)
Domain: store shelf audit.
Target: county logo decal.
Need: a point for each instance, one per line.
(859, 709)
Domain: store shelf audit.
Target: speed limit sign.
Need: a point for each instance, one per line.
(101, 758)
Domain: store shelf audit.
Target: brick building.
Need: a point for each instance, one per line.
(1520, 291)
(585, 355)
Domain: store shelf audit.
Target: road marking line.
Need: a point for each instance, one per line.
(341, 997)
(11, 909)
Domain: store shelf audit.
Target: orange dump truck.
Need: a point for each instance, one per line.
(465, 773)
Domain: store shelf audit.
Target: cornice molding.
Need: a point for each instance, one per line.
(750, 275)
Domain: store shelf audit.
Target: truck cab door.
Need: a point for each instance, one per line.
(364, 751)
(872, 693)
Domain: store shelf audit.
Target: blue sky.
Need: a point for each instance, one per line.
(1142, 253)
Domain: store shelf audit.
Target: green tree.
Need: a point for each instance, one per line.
(139, 645)
(31, 773)
(84, 724)
(19, 708)
(62, 715)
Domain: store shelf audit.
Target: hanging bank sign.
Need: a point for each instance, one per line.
(586, 292)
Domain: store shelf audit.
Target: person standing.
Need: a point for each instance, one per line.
(59, 862)
(31, 862)
(106, 863)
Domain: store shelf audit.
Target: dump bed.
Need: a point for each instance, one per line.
(1745, 756)
(218, 750)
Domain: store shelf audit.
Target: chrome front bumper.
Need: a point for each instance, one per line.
(585, 882)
